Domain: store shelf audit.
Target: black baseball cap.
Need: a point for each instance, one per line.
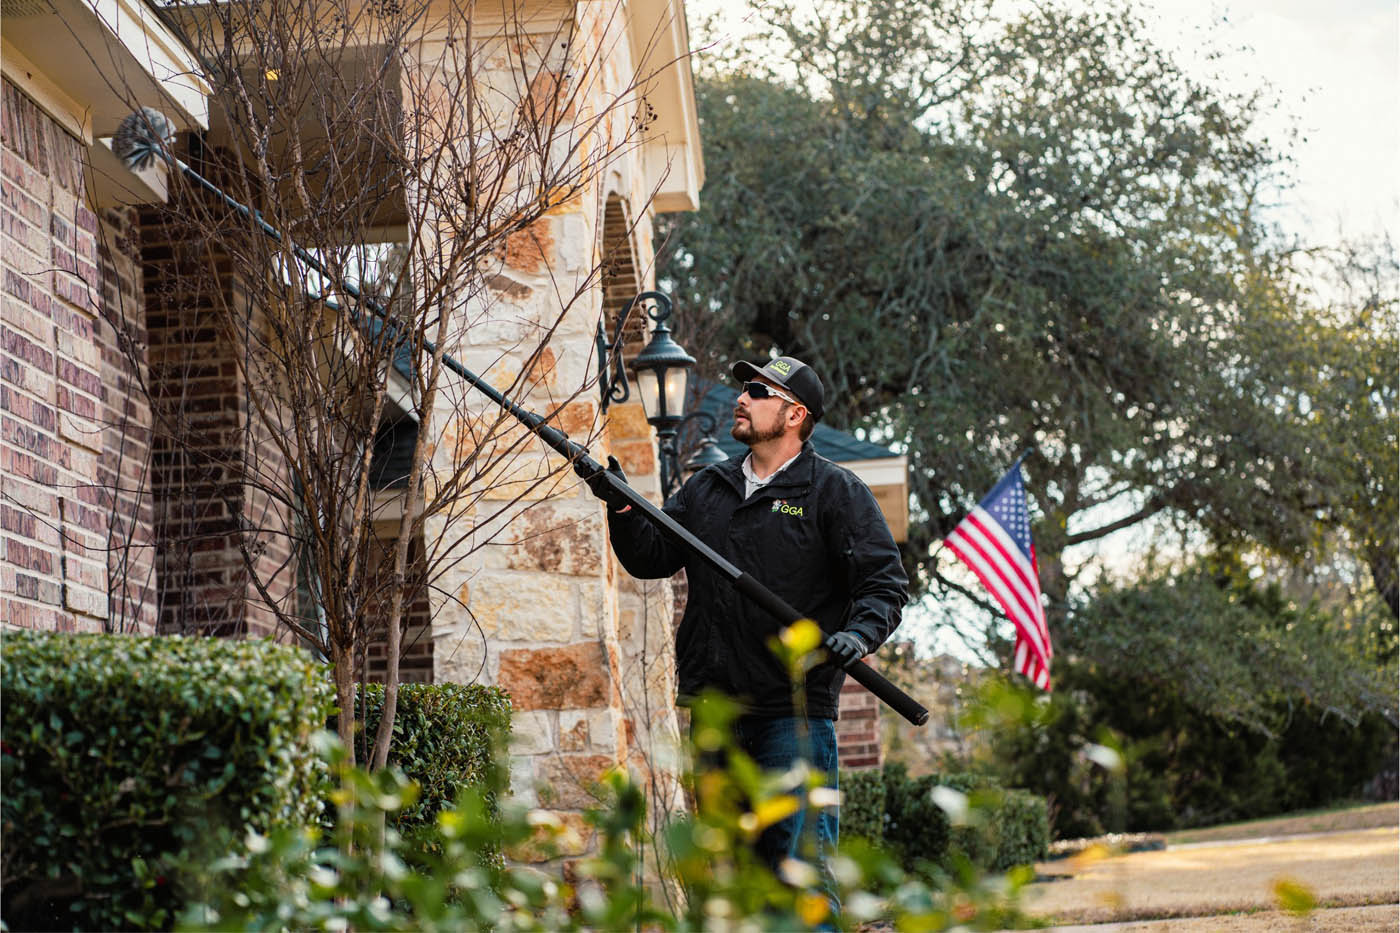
(790, 373)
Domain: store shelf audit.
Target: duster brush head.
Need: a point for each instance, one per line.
(143, 137)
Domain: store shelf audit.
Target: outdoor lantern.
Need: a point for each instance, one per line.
(707, 454)
(662, 369)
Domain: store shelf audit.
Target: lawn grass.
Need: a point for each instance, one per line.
(1354, 816)
(1352, 868)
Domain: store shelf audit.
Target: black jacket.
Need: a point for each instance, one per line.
(814, 536)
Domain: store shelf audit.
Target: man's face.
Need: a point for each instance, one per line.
(759, 420)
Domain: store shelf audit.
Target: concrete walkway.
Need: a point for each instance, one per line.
(1381, 919)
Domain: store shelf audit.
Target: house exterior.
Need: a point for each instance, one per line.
(76, 434)
(103, 347)
(95, 326)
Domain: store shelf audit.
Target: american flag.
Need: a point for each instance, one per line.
(995, 541)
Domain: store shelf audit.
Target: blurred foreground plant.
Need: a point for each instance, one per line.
(369, 877)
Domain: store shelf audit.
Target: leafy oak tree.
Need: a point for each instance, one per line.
(1227, 698)
(995, 233)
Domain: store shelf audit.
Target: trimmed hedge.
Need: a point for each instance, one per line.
(446, 737)
(891, 808)
(128, 759)
(863, 804)
(1023, 824)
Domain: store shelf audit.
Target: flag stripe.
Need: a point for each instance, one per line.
(1026, 628)
(1025, 625)
(1027, 573)
(999, 574)
(994, 542)
(1029, 664)
(1010, 557)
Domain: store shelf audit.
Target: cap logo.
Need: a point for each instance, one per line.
(781, 367)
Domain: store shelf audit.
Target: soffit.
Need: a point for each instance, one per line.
(98, 60)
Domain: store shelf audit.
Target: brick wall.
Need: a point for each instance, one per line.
(224, 541)
(125, 461)
(858, 728)
(73, 437)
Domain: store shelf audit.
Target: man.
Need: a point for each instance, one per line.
(807, 529)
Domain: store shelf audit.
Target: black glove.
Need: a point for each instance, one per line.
(846, 648)
(603, 489)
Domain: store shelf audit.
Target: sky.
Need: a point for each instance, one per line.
(1333, 71)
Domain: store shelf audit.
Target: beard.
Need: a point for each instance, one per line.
(747, 432)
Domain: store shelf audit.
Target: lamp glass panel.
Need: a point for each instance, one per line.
(675, 391)
(648, 388)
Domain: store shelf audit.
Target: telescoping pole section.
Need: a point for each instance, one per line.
(141, 138)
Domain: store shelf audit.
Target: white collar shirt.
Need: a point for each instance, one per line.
(752, 483)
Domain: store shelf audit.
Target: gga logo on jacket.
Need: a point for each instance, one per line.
(781, 507)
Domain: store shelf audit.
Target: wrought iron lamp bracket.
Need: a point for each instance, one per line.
(613, 384)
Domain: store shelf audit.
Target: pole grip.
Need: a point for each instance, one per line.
(869, 678)
(893, 697)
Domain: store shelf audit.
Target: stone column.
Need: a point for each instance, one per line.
(532, 599)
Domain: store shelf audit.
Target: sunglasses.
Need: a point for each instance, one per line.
(758, 391)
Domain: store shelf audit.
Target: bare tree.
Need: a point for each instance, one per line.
(413, 148)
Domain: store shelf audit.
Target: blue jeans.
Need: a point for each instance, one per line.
(775, 744)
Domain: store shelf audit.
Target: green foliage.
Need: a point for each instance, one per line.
(1224, 700)
(1229, 646)
(863, 804)
(1023, 829)
(292, 879)
(991, 232)
(446, 737)
(1333, 370)
(128, 758)
(928, 830)
(1298, 899)
(916, 828)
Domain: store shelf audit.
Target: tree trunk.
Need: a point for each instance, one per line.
(343, 673)
(1054, 587)
(1383, 574)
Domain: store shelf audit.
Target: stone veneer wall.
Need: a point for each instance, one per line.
(584, 651)
(74, 435)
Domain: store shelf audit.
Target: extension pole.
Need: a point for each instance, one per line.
(140, 138)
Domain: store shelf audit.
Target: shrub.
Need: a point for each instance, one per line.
(916, 828)
(1005, 827)
(127, 758)
(1023, 829)
(305, 880)
(446, 737)
(863, 804)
